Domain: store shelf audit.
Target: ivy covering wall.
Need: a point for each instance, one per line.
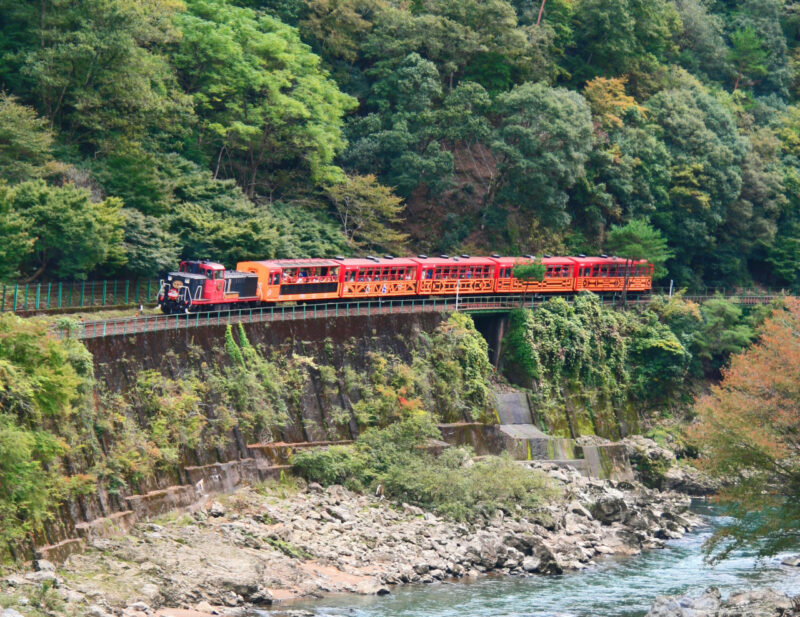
(64, 435)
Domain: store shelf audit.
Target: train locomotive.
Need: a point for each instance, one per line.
(203, 285)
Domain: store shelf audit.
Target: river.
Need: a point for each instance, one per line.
(613, 588)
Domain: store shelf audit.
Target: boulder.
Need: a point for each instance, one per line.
(609, 507)
(216, 510)
(43, 565)
(761, 602)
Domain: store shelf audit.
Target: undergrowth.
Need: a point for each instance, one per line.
(396, 462)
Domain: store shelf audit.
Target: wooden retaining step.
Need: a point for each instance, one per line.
(108, 526)
(58, 552)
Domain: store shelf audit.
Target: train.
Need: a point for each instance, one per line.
(204, 285)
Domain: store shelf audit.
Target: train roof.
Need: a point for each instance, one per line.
(297, 263)
(212, 265)
(453, 261)
(605, 260)
(510, 261)
(378, 261)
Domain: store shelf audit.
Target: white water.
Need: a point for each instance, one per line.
(613, 588)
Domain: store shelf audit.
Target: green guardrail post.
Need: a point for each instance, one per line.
(49, 289)
(16, 296)
(127, 289)
(60, 293)
(83, 293)
(105, 287)
(3, 306)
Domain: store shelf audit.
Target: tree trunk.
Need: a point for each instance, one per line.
(541, 10)
(625, 284)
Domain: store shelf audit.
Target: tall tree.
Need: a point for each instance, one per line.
(16, 240)
(703, 222)
(73, 233)
(25, 142)
(639, 240)
(542, 142)
(92, 68)
(615, 37)
(747, 429)
(268, 112)
(748, 56)
(369, 213)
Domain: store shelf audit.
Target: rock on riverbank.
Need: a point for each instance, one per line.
(762, 602)
(252, 549)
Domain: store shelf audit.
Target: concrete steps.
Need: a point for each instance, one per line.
(517, 434)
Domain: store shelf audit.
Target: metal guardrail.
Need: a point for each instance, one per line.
(63, 296)
(471, 304)
(59, 296)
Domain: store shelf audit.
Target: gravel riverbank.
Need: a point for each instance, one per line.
(252, 549)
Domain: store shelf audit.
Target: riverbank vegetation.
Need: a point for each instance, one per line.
(135, 133)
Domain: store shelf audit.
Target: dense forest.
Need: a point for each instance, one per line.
(135, 132)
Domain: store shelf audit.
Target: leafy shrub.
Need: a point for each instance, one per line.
(395, 459)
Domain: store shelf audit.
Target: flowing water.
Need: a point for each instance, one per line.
(613, 588)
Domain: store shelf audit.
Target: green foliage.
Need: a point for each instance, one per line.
(289, 549)
(369, 213)
(175, 419)
(723, 333)
(448, 374)
(639, 240)
(73, 233)
(542, 143)
(530, 272)
(615, 37)
(17, 241)
(588, 366)
(395, 459)
(237, 130)
(705, 219)
(43, 387)
(747, 55)
(149, 248)
(28, 491)
(25, 142)
(92, 68)
(266, 107)
(257, 392)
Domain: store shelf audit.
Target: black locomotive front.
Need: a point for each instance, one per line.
(178, 291)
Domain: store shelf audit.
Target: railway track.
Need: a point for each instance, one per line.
(132, 326)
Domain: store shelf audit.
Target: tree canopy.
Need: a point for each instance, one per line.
(493, 125)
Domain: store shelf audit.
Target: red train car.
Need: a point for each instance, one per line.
(378, 277)
(450, 275)
(559, 275)
(609, 274)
